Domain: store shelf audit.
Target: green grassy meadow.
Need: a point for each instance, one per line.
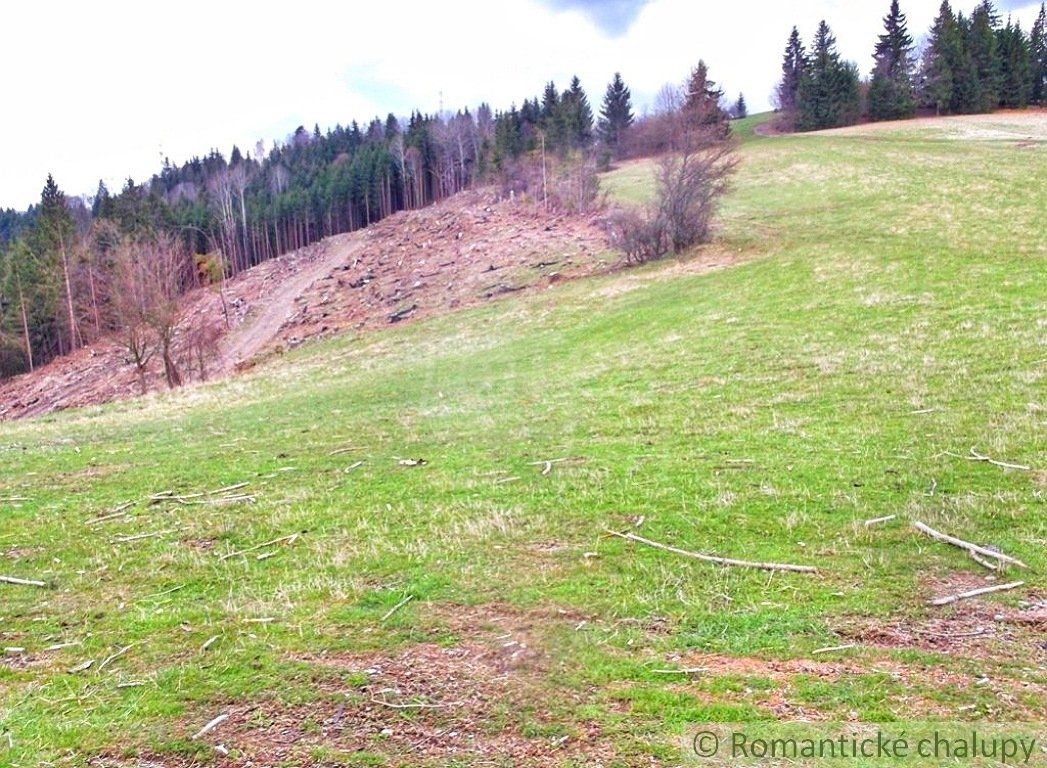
(887, 308)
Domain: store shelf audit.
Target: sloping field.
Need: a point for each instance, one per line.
(416, 573)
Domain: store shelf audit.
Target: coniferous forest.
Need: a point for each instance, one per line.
(59, 259)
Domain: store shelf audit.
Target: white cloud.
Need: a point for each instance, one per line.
(105, 89)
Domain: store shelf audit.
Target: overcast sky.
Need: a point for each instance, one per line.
(106, 89)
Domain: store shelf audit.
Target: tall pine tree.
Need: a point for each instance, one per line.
(829, 89)
(1038, 58)
(794, 62)
(1015, 67)
(941, 57)
(891, 91)
(616, 115)
(985, 56)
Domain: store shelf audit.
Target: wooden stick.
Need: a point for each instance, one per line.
(833, 648)
(21, 582)
(977, 592)
(985, 563)
(975, 456)
(140, 536)
(210, 726)
(684, 671)
(120, 511)
(418, 705)
(210, 641)
(397, 607)
(113, 657)
(289, 539)
(973, 548)
(879, 520)
(714, 558)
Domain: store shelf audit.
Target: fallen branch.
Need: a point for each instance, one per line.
(985, 563)
(413, 705)
(684, 671)
(833, 648)
(397, 607)
(977, 592)
(972, 548)
(21, 582)
(715, 559)
(975, 456)
(879, 520)
(210, 726)
(290, 539)
(120, 511)
(140, 536)
(113, 657)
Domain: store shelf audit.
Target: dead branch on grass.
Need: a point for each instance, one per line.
(971, 548)
(211, 725)
(397, 607)
(290, 539)
(975, 456)
(977, 592)
(21, 582)
(728, 561)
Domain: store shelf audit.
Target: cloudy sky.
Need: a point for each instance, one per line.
(106, 89)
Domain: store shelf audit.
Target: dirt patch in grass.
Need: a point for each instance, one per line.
(487, 696)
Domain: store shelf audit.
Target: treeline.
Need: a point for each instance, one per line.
(58, 271)
(969, 64)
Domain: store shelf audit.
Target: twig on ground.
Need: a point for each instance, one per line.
(113, 657)
(977, 592)
(354, 465)
(715, 559)
(21, 582)
(290, 539)
(547, 469)
(972, 548)
(682, 671)
(210, 641)
(975, 456)
(339, 451)
(210, 726)
(879, 520)
(140, 536)
(117, 511)
(412, 705)
(397, 607)
(13, 499)
(548, 461)
(833, 648)
(985, 563)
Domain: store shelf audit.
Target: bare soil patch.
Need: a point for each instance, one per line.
(483, 699)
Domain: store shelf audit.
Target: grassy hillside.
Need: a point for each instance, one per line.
(886, 311)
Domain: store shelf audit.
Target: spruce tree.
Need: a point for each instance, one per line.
(829, 89)
(702, 100)
(740, 108)
(940, 59)
(1014, 66)
(967, 86)
(1038, 58)
(985, 56)
(793, 64)
(576, 116)
(616, 115)
(891, 91)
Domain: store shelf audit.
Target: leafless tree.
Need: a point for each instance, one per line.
(149, 279)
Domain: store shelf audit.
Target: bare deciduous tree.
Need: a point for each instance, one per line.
(149, 279)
